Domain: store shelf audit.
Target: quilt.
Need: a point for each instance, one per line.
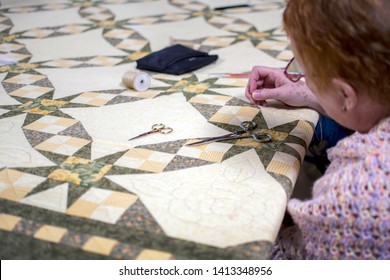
(72, 184)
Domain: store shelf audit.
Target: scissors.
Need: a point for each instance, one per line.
(246, 131)
(156, 128)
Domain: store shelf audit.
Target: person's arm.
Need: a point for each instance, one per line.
(271, 83)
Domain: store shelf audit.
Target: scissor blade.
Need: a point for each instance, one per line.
(138, 136)
(258, 137)
(143, 134)
(201, 142)
(213, 139)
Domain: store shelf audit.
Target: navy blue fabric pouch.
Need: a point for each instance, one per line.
(176, 60)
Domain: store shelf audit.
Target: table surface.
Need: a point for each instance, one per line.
(71, 184)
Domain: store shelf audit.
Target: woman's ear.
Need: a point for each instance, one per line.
(346, 94)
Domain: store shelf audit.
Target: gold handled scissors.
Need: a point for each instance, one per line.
(156, 128)
(246, 131)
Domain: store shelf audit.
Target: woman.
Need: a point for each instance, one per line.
(342, 50)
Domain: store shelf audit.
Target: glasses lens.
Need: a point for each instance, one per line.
(294, 70)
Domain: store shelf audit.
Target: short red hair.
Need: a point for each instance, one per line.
(343, 39)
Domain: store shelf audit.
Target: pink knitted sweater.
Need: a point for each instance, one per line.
(348, 216)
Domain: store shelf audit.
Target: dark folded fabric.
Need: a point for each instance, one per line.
(176, 60)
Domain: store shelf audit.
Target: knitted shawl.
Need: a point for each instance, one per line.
(348, 216)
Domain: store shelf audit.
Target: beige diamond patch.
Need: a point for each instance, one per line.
(102, 205)
(119, 33)
(93, 98)
(221, 20)
(219, 100)
(51, 124)
(273, 45)
(234, 115)
(140, 94)
(30, 91)
(8, 222)
(8, 47)
(237, 27)
(4, 27)
(25, 79)
(213, 152)
(15, 185)
(50, 233)
(38, 33)
(104, 61)
(284, 164)
(64, 145)
(99, 17)
(100, 245)
(132, 44)
(63, 63)
(218, 42)
(147, 160)
(174, 17)
(143, 20)
(16, 56)
(304, 131)
(73, 29)
(148, 254)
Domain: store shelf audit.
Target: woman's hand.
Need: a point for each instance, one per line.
(271, 83)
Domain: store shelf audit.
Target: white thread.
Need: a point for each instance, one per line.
(140, 81)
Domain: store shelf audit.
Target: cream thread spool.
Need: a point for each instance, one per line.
(140, 81)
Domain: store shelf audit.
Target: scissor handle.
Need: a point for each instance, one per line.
(248, 125)
(159, 127)
(262, 137)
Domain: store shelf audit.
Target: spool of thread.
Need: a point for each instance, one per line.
(140, 81)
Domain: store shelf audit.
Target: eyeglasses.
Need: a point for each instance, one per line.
(294, 71)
